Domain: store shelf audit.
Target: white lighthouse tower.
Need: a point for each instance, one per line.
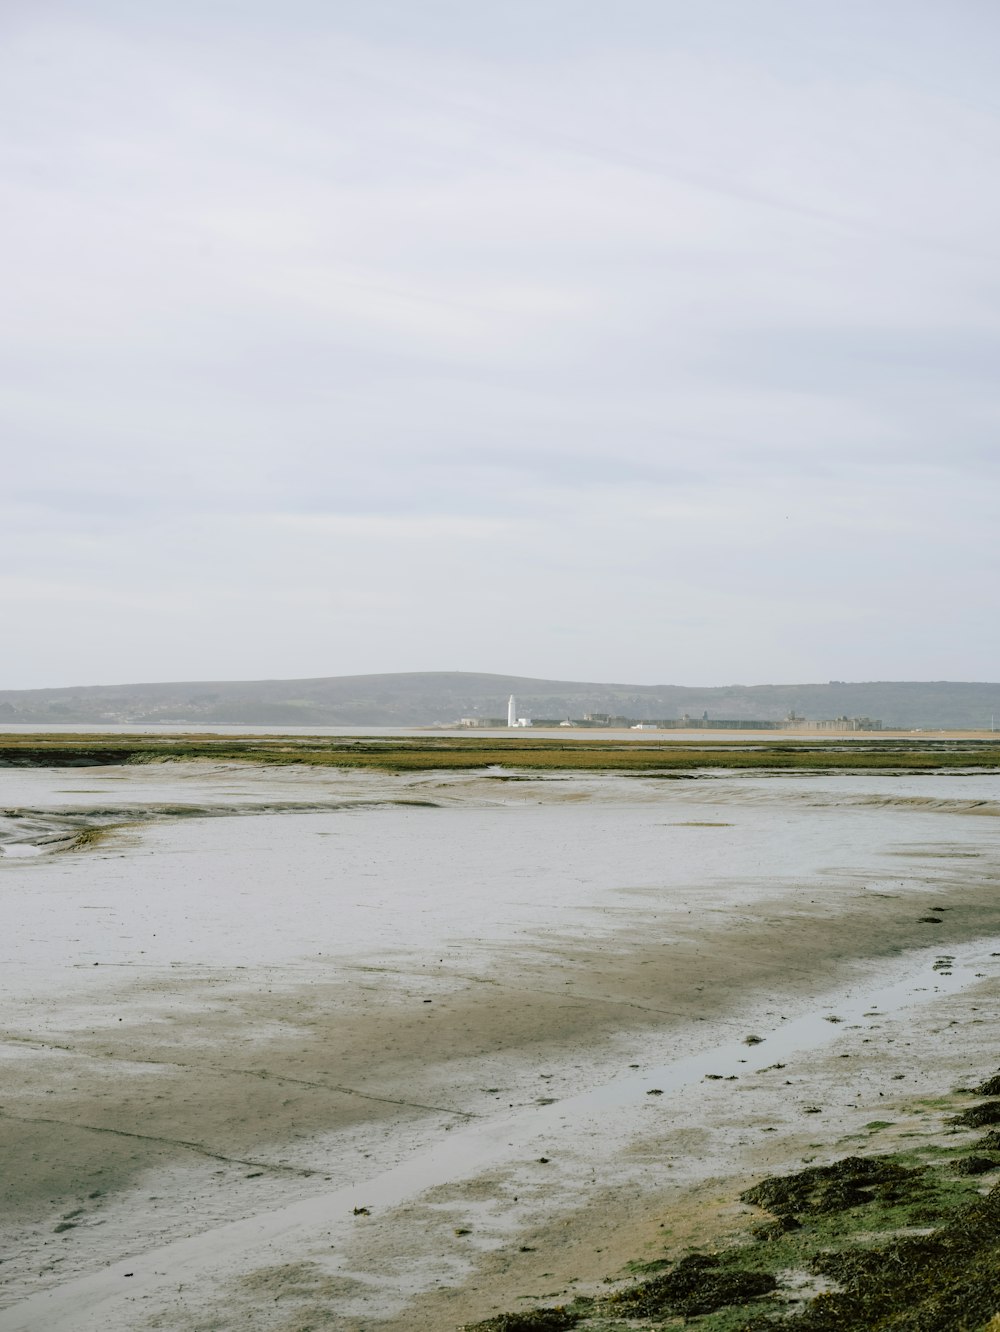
(511, 711)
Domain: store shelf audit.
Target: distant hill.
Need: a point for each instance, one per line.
(427, 698)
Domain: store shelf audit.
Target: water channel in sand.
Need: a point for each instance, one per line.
(269, 995)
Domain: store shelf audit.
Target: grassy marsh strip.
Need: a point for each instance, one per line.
(430, 753)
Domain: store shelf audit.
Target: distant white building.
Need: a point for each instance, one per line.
(512, 718)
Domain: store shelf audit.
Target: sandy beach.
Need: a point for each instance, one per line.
(287, 1050)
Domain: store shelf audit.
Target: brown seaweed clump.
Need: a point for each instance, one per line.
(698, 1284)
(772, 1230)
(852, 1182)
(978, 1116)
(531, 1320)
(974, 1165)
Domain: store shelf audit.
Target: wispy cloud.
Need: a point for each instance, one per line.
(680, 317)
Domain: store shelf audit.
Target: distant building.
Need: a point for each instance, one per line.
(605, 720)
(848, 724)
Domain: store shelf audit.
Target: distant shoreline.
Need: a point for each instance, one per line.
(408, 699)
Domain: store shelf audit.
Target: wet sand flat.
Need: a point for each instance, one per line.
(267, 991)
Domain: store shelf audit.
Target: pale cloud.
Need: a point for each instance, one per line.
(337, 317)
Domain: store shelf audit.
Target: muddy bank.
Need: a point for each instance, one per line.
(51, 829)
(241, 1030)
(569, 1214)
(209, 1067)
(882, 1210)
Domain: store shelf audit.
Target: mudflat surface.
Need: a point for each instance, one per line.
(278, 1037)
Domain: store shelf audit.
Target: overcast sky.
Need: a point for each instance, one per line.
(654, 341)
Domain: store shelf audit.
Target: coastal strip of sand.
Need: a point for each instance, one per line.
(623, 1004)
